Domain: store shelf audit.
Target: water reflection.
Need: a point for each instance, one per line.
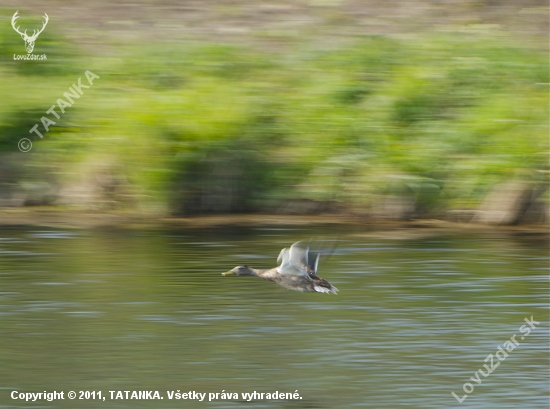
(413, 321)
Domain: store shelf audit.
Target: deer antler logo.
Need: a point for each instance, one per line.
(29, 40)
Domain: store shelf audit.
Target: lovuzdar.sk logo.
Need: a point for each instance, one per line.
(29, 39)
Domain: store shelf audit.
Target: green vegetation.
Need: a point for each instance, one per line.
(201, 128)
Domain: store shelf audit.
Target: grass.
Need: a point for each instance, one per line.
(220, 128)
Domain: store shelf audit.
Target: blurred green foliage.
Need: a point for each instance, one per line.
(202, 128)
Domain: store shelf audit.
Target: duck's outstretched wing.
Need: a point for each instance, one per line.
(298, 254)
(293, 261)
(301, 261)
(298, 261)
(285, 267)
(313, 260)
(283, 257)
(303, 256)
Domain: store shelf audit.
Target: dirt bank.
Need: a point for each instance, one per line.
(386, 229)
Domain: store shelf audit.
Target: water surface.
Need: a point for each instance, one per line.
(149, 310)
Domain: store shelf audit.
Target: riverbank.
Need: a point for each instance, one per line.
(51, 217)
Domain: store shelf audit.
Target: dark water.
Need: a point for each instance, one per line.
(414, 319)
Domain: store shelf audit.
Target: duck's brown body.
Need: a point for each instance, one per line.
(296, 272)
(295, 283)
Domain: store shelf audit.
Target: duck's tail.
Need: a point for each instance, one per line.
(325, 288)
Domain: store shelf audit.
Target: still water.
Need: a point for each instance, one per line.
(149, 310)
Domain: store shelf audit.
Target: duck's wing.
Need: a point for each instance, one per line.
(301, 261)
(293, 261)
(303, 256)
(283, 259)
(298, 254)
(313, 261)
(293, 270)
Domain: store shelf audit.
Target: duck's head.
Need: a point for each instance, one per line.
(240, 271)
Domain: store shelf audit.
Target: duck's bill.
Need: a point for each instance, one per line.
(228, 273)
